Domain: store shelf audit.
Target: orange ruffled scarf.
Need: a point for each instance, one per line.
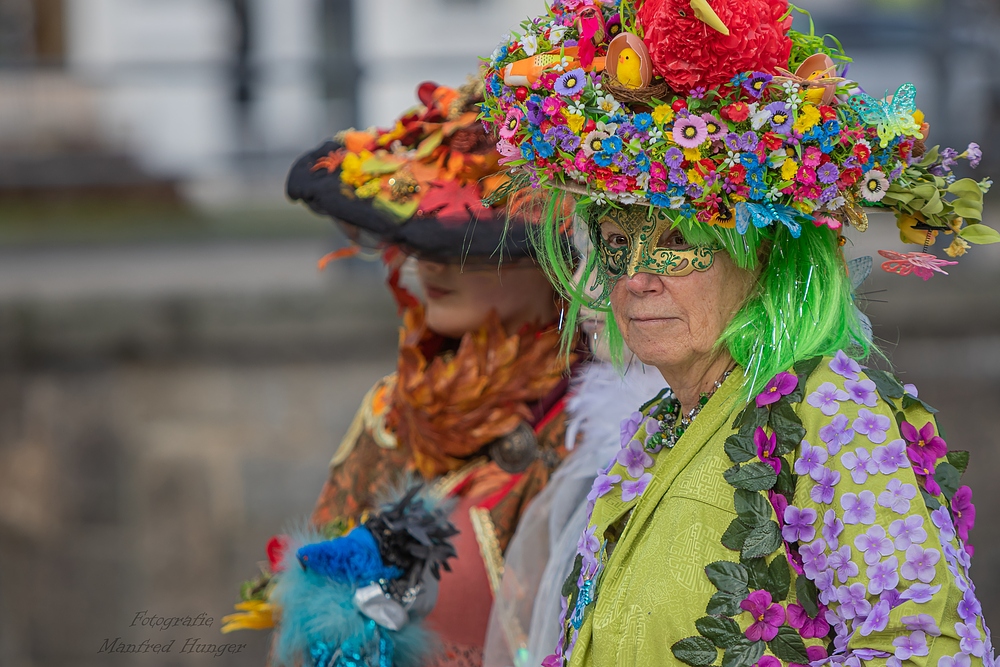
(449, 406)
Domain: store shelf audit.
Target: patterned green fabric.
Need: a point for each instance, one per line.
(890, 574)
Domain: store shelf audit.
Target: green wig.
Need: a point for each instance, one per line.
(801, 305)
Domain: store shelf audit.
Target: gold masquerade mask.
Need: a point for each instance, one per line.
(640, 251)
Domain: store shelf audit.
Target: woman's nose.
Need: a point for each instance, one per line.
(643, 283)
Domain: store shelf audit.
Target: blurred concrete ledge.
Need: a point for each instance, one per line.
(253, 301)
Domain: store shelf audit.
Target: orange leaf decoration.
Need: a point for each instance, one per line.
(452, 202)
(448, 408)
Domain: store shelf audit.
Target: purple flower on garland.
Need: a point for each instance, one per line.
(964, 512)
(837, 433)
(809, 628)
(919, 563)
(858, 508)
(767, 615)
(634, 458)
(853, 601)
(826, 398)
(891, 457)
(883, 576)
(780, 385)
(629, 427)
(862, 393)
(571, 83)
(968, 609)
(970, 639)
(860, 463)
(897, 496)
(690, 132)
(924, 442)
(697, 93)
(756, 83)
(874, 544)
(632, 490)
(765, 448)
(844, 366)
(876, 620)
(603, 485)
(811, 460)
(823, 492)
(832, 528)
(799, 524)
(908, 531)
(873, 425)
(913, 645)
(781, 117)
(842, 564)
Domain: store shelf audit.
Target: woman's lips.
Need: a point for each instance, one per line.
(433, 292)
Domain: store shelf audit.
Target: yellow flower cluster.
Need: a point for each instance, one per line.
(351, 171)
(789, 169)
(663, 114)
(808, 118)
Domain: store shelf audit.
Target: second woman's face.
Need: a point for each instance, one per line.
(459, 300)
(675, 321)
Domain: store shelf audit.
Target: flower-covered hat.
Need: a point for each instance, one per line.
(716, 111)
(418, 185)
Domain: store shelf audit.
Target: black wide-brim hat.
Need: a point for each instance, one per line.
(418, 186)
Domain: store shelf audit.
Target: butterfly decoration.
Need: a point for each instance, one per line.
(918, 263)
(892, 118)
(762, 215)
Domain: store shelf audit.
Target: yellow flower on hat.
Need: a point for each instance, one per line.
(807, 119)
(918, 117)
(907, 233)
(351, 171)
(958, 247)
(789, 169)
(692, 154)
(255, 615)
(695, 176)
(574, 121)
(663, 114)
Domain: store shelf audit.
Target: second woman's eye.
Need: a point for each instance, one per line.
(673, 239)
(616, 240)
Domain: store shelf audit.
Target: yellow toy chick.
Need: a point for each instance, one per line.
(628, 71)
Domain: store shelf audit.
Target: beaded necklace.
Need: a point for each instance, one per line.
(673, 424)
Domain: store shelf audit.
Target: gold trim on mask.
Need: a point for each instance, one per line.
(642, 254)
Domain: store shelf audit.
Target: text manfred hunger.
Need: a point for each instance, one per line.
(191, 645)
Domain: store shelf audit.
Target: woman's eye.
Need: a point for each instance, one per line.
(616, 240)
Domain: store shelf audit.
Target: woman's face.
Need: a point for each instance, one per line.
(675, 321)
(458, 300)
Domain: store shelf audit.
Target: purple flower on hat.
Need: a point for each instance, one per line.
(908, 531)
(957, 660)
(832, 528)
(823, 491)
(871, 424)
(811, 460)
(942, 519)
(756, 84)
(919, 563)
(923, 622)
(883, 576)
(975, 154)
(571, 82)
(588, 543)
(780, 385)
(862, 393)
(920, 593)
(799, 524)
(826, 398)
(837, 433)
(690, 132)
(603, 485)
(634, 458)
(828, 173)
(970, 639)
(874, 544)
(876, 620)
(853, 601)
(632, 490)
(781, 117)
(891, 457)
(809, 628)
(678, 177)
(813, 557)
(844, 366)
(841, 563)
(897, 496)
(860, 463)
(925, 442)
(907, 647)
(858, 508)
(767, 616)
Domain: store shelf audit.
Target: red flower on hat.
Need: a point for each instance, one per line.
(276, 548)
(688, 53)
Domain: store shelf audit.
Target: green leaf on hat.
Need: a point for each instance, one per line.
(980, 234)
(966, 188)
(968, 211)
(402, 211)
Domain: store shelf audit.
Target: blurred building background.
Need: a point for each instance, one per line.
(175, 373)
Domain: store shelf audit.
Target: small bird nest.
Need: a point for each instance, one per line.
(659, 91)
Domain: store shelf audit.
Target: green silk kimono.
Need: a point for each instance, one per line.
(882, 570)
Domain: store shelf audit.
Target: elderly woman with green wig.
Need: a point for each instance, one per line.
(784, 502)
